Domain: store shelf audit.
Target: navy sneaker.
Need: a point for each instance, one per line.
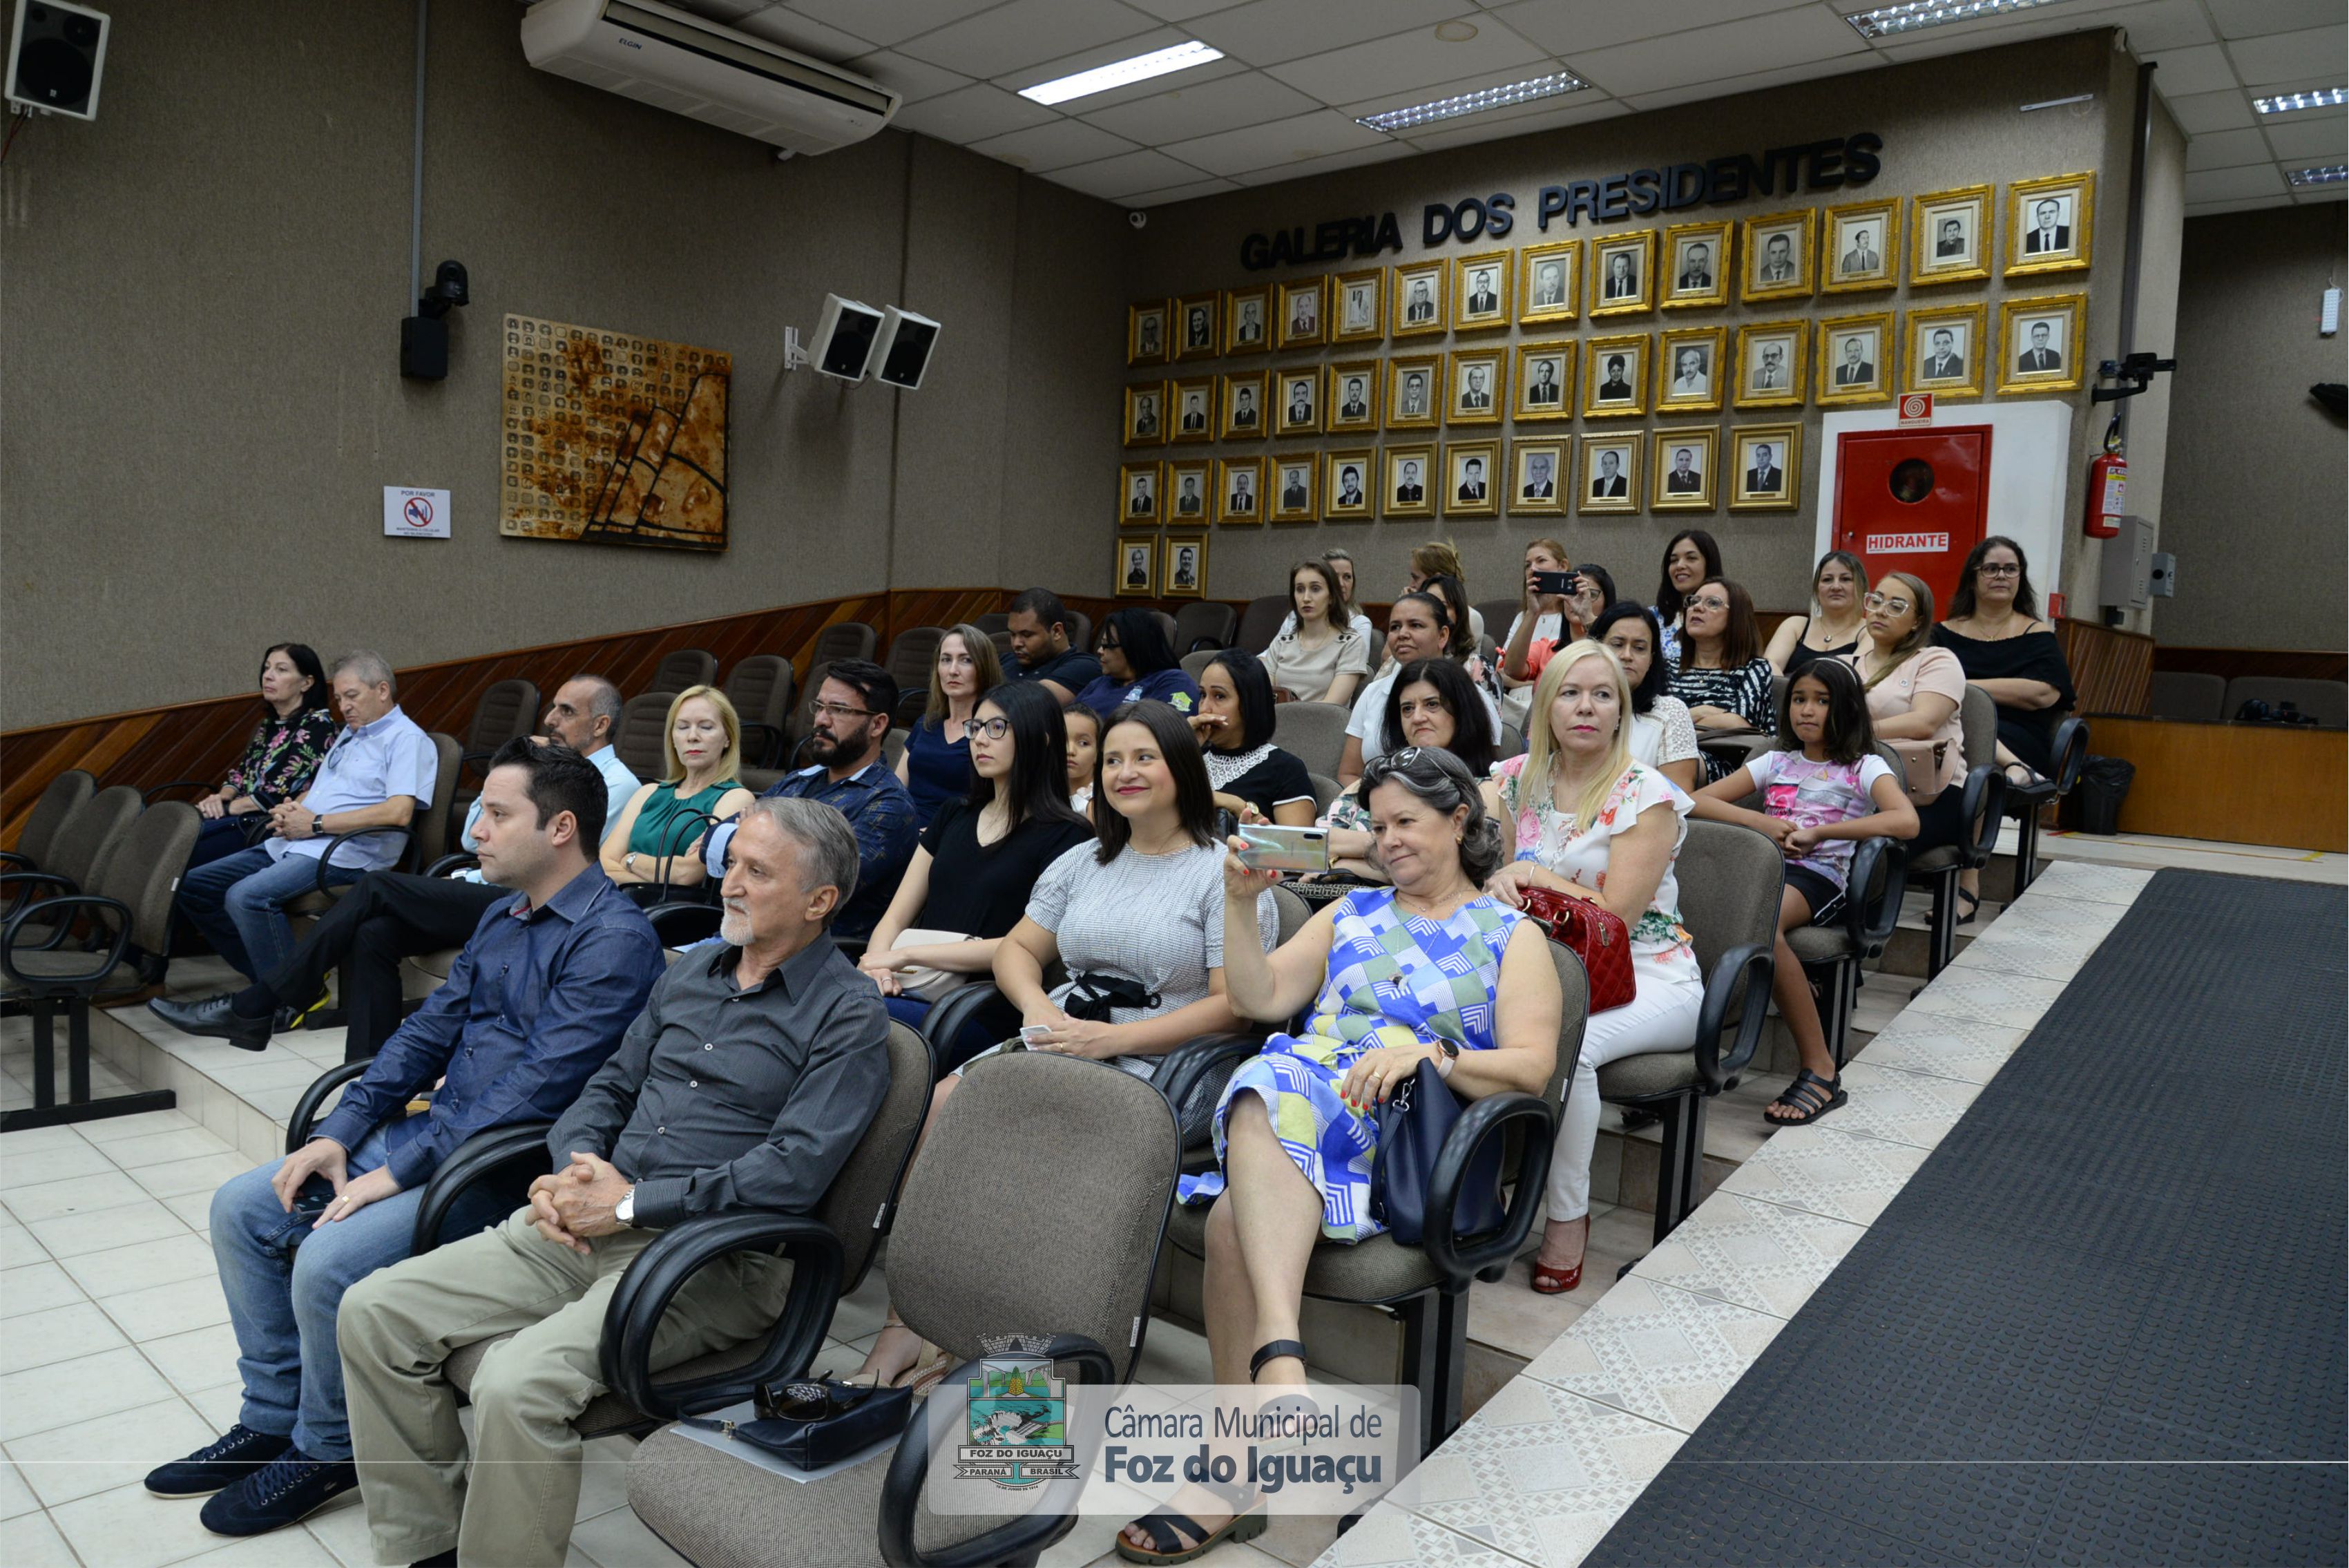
(291, 1486)
(223, 1463)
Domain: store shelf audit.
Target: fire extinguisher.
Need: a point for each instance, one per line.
(2107, 487)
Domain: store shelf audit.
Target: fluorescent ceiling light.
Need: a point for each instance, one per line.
(1123, 73)
(2330, 174)
(1550, 86)
(1887, 20)
(2285, 103)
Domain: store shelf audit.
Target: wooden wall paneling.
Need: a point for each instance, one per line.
(2268, 784)
(2112, 670)
(2226, 663)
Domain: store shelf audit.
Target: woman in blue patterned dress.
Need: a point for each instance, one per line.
(1428, 970)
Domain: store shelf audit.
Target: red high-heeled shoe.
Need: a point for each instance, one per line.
(1555, 1282)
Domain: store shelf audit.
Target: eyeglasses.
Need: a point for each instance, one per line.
(834, 710)
(1999, 569)
(1894, 607)
(1708, 604)
(993, 728)
(1417, 706)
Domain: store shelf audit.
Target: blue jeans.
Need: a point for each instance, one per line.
(284, 1281)
(239, 903)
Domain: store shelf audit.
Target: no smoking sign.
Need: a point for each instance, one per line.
(412, 513)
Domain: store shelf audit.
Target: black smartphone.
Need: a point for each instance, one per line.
(1556, 583)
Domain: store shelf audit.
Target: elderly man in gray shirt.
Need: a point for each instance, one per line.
(752, 1072)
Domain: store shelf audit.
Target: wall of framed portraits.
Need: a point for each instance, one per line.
(1639, 376)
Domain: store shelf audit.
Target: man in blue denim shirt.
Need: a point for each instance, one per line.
(541, 995)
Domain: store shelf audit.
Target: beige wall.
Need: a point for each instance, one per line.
(202, 402)
(2255, 494)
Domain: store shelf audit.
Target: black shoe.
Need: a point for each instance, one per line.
(223, 1463)
(290, 1488)
(213, 1018)
(438, 1560)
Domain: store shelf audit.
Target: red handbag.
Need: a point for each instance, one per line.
(1598, 938)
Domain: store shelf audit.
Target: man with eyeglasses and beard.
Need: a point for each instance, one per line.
(850, 717)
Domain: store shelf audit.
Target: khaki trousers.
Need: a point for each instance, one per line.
(512, 1506)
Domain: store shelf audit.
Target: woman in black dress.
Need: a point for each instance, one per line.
(2007, 651)
(1234, 724)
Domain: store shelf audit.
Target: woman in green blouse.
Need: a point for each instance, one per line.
(659, 836)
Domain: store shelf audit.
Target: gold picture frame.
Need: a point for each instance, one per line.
(1950, 236)
(1239, 492)
(1146, 347)
(1475, 385)
(1407, 480)
(1417, 305)
(1777, 486)
(1669, 488)
(1539, 464)
(1303, 314)
(2032, 330)
(1183, 575)
(1351, 401)
(2050, 224)
(1136, 571)
(1769, 272)
(1844, 381)
(1620, 291)
(1414, 396)
(1189, 488)
(1543, 380)
(1142, 485)
(1358, 307)
(1951, 366)
(1285, 386)
(1771, 359)
(1193, 402)
(1472, 466)
(1345, 503)
(1481, 291)
(1294, 488)
(1146, 406)
(1690, 361)
(1696, 265)
(1197, 326)
(1610, 390)
(1247, 320)
(1244, 403)
(1859, 245)
(1608, 490)
(1549, 295)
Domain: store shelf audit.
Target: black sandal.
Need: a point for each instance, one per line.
(1167, 1532)
(1968, 905)
(1811, 1095)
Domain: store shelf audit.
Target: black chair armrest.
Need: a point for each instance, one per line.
(10, 857)
(1199, 1068)
(675, 1257)
(1743, 973)
(470, 1163)
(1870, 922)
(946, 1018)
(299, 1126)
(27, 883)
(57, 906)
(676, 843)
(474, 760)
(2071, 751)
(682, 924)
(326, 860)
(769, 749)
(449, 865)
(42, 879)
(1479, 1120)
(148, 797)
(1983, 806)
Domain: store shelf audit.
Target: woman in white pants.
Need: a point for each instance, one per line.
(1593, 823)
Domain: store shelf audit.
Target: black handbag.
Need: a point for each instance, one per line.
(1413, 1125)
(1091, 996)
(817, 1422)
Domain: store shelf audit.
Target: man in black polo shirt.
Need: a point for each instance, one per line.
(1039, 647)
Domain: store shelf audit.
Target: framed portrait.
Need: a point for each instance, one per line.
(1145, 333)
(1696, 266)
(2039, 342)
(1297, 401)
(1244, 404)
(1949, 236)
(1196, 316)
(1470, 479)
(1247, 320)
(1771, 358)
(1352, 401)
(1410, 481)
(1137, 568)
(1419, 298)
(1780, 262)
(1538, 476)
(1357, 306)
(1414, 392)
(1545, 381)
(1615, 377)
(1480, 291)
(1141, 496)
(1862, 241)
(1856, 360)
(1190, 490)
(1765, 467)
(1300, 312)
(1239, 490)
(1348, 478)
(2049, 223)
(1193, 402)
(1474, 393)
(1550, 283)
(1689, 370)
(1944, 350)
(1296, 487)
(1684, 465)
(1145, 414)
(1623, 274)
(1610, 480)
(1185, 573)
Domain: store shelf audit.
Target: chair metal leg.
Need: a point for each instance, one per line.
(1843, 996)
(1676, 1160)
(1423, 1336)
(2026, 849)
(44, 1053)
(79, 1106)
(1941, 935)
(1451, 1365)
(78, 1050)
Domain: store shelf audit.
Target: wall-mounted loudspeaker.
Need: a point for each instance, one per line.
(55, 54)
(903, 350)
(842, 342)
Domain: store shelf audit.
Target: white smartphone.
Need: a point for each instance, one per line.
(1265, 846)
(1035, 1033)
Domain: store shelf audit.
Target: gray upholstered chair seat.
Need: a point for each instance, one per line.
(65, 963)
(1649, 1073)
(1942, 859)
(438, 964)
(607, 1413)
(1820, 944)
(1372, 1270)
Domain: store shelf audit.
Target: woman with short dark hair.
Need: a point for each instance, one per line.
(1138, 665)
(1433, 704)
(1234, 724)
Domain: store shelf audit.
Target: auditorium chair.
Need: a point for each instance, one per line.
(432, 830)
(686, 666)
(59, 801)
(2326, 701)
(913, 658)
(841, 639)
(1058, 1240)
(506, 711)
(1511, 742)
(1498, 614)
(2186, 697)
(1166, 624)
(127, 910)
(1203, 625)
(1325, 790)
(1195, 665)
(1260, 623)
(75, 853)
(762, 688)
(641, 736)
(2024, 802)
(1313, 732)
(1985, 804)
(1079, 627)
(1730, 880)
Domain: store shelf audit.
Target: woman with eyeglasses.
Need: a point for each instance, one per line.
(1691, 558)
(1916, 694)
(1837, 621)
(934, 766)
(1234, 724)
(1594, 590)
(1722, 677)
(1138, 665)
(2007, 651)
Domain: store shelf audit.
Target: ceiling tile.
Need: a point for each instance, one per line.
(1178, 192)
(2204, 69)
(2311, 140)
(779, 25)
(2163, 25)
(1024, 32)
(913, 79)
(972, 113)
(1179, 10)
(888, 21)
(1040, 149)
(2212, 209)
(1576, 26)
(1271, 31)
(2282, 57)
(1729, 86)
(1249, 98)
(2228, 149)
(1113, 179)
(1310, 167)
(2201, 113)
(1307, 136)
(2079, 17)
(1708, 53)
(2313, 198)
(1579, 110)
(1406, 61)
(2247, 18)
(2234, 184)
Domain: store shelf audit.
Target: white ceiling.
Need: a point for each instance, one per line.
(1282, 102)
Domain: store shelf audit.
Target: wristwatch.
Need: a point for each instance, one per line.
(317, 824)
(624, 1210)
(1447, 1056)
